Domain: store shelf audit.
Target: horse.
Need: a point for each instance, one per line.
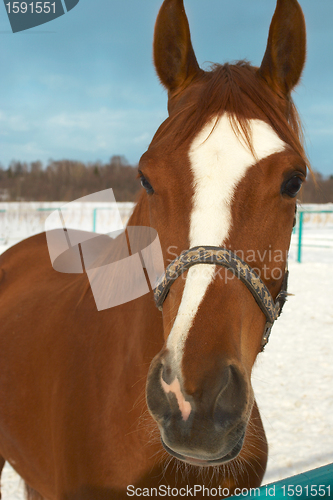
(139, 400)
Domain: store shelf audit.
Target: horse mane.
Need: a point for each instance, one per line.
(239, 90)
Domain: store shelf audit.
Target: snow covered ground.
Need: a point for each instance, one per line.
(293, 378)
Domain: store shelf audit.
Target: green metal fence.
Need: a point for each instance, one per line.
(95, 216)
(94, 212)
(301, 228)
(316, 483)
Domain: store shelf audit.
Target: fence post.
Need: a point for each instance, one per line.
(94, 219)
(300, 232)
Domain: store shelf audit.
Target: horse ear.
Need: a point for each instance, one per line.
(284, 59)
(174, 57)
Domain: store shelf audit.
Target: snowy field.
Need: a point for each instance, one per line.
(293, 378)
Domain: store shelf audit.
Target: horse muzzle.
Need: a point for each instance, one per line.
(206, 428)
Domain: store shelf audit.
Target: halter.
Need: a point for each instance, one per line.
(226, 258)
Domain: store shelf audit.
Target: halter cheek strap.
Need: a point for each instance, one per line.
(226, 258)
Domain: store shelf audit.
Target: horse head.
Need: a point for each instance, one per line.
(222, 171)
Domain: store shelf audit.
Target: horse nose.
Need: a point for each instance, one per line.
(221, 396)
(206, 423)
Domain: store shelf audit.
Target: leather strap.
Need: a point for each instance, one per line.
(226, 258)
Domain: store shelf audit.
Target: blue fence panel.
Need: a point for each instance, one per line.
(317, 483)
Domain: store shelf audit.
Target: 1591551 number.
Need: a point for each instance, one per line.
(315, 490)
(32, 7)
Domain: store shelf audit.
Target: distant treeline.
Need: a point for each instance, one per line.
(317, 189)
(67, 180)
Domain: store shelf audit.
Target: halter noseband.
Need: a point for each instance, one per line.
(226, 258)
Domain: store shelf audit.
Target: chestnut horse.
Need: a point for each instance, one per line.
(101, 405)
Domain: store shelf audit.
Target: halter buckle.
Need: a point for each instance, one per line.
(265, 337)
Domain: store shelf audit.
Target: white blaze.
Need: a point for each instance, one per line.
(219, 160)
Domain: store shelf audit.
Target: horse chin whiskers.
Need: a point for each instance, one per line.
(147, 425)
(208, 475)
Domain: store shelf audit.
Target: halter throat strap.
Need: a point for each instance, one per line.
(225, 258)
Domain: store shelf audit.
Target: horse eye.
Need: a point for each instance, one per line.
(292, 186)
(146, 184)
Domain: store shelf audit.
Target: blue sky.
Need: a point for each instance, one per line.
(83, 86)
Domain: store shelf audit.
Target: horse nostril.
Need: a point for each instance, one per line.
(229, 404)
